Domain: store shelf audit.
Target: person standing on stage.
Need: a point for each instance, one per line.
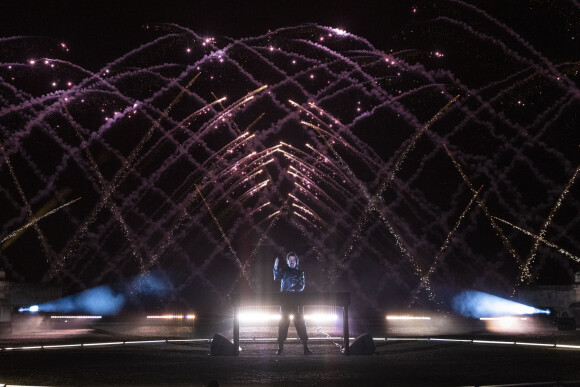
(291, 280)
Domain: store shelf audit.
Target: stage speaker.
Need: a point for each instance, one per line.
(220, 346)
(362, 345)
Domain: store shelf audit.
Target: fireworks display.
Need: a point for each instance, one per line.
(203, 158)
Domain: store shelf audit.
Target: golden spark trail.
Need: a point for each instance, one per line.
(218, 157)
(336, 205)
(371, 204)
(426, 278)
(164, 244)
(119, 175)
(314, 116)
(255, 172)
(310, 212)
(248, 97)
(259, 208)
(254, 123)
(252, 158)
(229, 148)
(412, 144)
(262, 237)
(346, 168)
(299, 161)
(267, 218)
(325, 158)
(483, 207)
(313, 247)
(303, 217)
(238, 131)
(39, 233)
(525, 272)
(110, 203)
(190, 181)
(199, 112)
(312, 170)
(294, 172)
(538, 238)
(35, 220)
(225, 237)
(254, 189)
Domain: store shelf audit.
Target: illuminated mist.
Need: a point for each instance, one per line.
(472, 303)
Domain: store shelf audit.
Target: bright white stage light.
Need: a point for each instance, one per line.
(77, 317)
(173, 317)
(393, 317)
(260, 317)
(507, 323)
(321, 317)
(257, 317)
(504, 318)
(32, 309)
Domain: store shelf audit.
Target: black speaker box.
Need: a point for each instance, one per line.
(362, 345)
(220, 346)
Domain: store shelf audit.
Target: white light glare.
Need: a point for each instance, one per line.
(258, 317)
(503, 318)
(390, 317)
(173, 317)
(255, 317)
(321, 317)
(32, 309)
(77, 317)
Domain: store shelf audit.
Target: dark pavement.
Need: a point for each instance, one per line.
(406, 362)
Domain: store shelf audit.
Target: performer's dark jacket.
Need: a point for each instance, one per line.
(292, 280)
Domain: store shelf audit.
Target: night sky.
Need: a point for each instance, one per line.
(382, 205)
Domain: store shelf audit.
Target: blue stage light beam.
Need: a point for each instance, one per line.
(101, 300)
(150, 284)
(472, 303)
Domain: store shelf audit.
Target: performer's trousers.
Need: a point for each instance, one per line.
(298, 312)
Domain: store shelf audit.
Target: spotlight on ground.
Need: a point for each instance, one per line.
(477, 304)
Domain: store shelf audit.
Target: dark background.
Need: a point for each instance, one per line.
(100, 31)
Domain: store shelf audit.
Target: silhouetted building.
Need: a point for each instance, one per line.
(14, 295)
(5, 309)
(562, 300)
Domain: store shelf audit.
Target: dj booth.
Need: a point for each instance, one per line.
(291, 298)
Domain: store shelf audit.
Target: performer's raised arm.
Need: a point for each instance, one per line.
(277, 273)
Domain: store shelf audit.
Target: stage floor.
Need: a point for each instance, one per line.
(131, 353)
